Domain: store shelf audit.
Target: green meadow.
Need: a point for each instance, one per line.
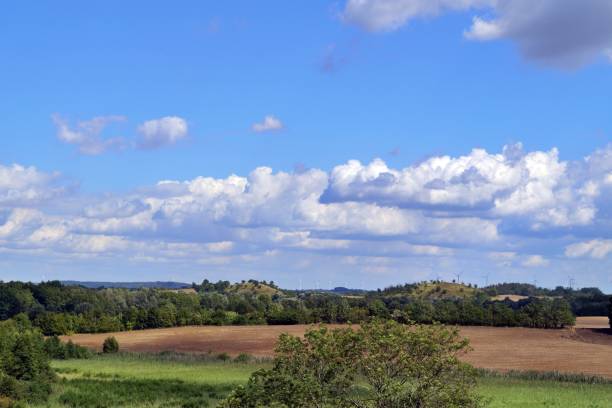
(190, 381)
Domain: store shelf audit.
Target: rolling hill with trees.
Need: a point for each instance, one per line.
(58, 309)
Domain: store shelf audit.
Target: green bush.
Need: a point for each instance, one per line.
(223, 357)
(243, 358)
(110, 345)
(25, 373)
(382, 364)
(64, 351)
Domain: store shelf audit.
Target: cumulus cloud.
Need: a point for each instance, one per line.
(535, 261)
(489, 206)
(23, 186)
(387, 15)
(162, 132)
(269, 124)
(597, 248)
(536, 187)
(87, 134)
(565, 33)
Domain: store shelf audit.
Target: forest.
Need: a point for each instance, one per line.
(58, 309)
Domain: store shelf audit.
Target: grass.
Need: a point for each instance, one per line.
(504, 392)
(176, 380)
(250, 288)
(443, 290)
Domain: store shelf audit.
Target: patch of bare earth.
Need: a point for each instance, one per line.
(493, 347)
(593, 322)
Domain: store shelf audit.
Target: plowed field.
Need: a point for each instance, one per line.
(580, 350)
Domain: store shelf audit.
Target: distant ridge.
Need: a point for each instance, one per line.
(128, 285)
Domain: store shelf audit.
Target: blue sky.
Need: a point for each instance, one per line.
(178, 89)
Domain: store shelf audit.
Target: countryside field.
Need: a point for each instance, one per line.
(577, 350)
(153, 381)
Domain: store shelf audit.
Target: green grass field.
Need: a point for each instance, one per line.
(141, 381)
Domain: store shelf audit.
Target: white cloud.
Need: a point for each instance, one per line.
(565, 33)
(535, 261)
(269, 124)
(493, 208)
(387, 15)
(22, 186)
(597, 248)
(483, 30)
(537, 187)
(162, 132)
(87, 135)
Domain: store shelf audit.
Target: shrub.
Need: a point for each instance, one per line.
(243, 358)
(223, 357)
(383, 364)
(25, 373)
(64, 351)
(110, 345)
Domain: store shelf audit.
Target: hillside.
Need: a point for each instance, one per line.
(253, 288)
(127, 285)
(443, 290)
(433, 290)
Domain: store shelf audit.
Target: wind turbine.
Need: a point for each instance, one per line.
(458, 275)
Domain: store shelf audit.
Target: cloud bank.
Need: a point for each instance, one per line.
(512, 209)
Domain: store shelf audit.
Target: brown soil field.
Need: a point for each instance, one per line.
(570, 350)
(592, 322)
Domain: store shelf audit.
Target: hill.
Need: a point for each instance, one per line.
(433, 290)
(127, 285)
(443, 290)
(253, 288)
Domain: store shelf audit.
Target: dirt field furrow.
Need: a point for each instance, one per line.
(586, 349)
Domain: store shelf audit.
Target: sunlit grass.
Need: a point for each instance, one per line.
(175, 381)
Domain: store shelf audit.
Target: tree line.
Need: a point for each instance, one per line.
(57, 309)
(610, 313)
(583, 301)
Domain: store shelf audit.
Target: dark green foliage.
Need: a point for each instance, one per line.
(59, 310)
(110, 345)
(610, 313)
(583, 302)
(555, 376)
(243, 358)
(382, 364)
(223, 357)
(24, 365)
(314, 372)
(110, 393)
(56, 349)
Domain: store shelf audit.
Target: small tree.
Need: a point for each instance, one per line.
(415, 366)
(383, 364)
(317, 371)
(25, 373)
(110, 345)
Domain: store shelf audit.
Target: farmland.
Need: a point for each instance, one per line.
(569, 350)
(149, 381)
